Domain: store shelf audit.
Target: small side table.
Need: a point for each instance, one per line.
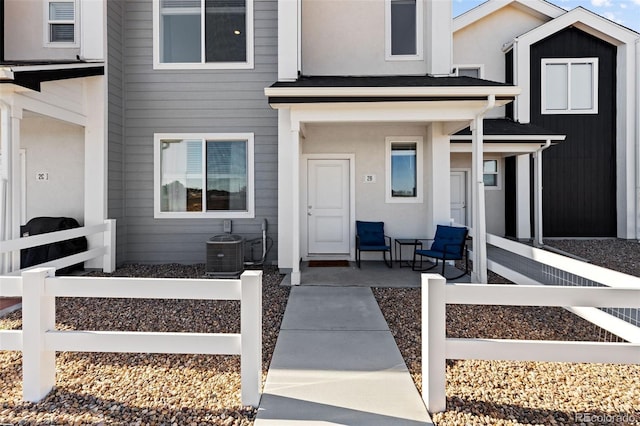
(399, 242)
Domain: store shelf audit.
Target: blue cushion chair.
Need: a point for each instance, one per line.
(370, 237)
(449, 243)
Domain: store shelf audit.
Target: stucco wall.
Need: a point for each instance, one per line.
(24, 33)
(367, 142)
(55, 148)
(481, 43)
(347, 37)
(494, 198)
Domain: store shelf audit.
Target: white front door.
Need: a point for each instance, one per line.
(328, 201)
(459, 197)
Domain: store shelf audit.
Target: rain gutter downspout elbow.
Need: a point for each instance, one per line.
(491, 102)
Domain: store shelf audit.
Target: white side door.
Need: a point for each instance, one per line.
(328, 201)
(459, 197)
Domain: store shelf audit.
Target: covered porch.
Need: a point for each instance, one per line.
(336, 140)
(53, 147)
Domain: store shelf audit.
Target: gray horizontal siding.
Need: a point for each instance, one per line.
(115, 110)
(198, 101)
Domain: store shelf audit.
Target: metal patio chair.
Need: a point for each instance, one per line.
(370, 237)
(449, 243)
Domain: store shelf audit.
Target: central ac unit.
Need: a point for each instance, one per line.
(225, 256)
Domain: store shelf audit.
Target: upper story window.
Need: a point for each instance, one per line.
(404, 29)
(404, 170)
(61, 23)
(204, 175)
(215, 34)
(570, 86)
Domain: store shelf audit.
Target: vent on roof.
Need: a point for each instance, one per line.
(225, 256)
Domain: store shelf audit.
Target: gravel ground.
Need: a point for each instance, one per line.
(128, 389)
(529, 393)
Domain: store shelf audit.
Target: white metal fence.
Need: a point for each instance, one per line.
(524, 264)
(436, 348)
(104, 251)
(39, 340)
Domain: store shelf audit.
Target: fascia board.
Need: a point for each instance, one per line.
(539, 7)
(392, 91)
(512, 137)
(586, 21)
(510, 148)
(52, 67)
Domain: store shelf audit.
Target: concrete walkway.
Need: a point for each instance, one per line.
(336, 363)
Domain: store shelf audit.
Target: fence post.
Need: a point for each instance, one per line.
(433, 343)
(38, 316)
(251, 337)
(109, 259)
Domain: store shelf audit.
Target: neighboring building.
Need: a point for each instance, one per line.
(314, 114)
(579, 77)
(52, 122)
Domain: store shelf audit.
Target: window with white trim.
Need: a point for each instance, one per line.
(204, 175)
(404, 170)
(404, 29)
(61, 23)
(490, 174)
(215, 34)
(570, 86)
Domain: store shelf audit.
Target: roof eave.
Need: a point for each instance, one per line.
(409, 92)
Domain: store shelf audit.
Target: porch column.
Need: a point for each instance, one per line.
(537, 198)
(95, 158)
(523, 199)
(14, 186)
(295, 192)
(5, 182)
(479, 232)
(439, 172)
(288, 196)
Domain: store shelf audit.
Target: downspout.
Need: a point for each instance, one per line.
(479, 273)
(537, 241)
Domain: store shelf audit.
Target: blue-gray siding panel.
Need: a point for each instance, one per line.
(192, 101)
(115, 111)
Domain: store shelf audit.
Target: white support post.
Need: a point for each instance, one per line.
(15, 188)
(38, 316)
(295, 187)
(537, 199)
(479, 234)
(109, 259)
(523, 184)
(433, 343)
(251, 332)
